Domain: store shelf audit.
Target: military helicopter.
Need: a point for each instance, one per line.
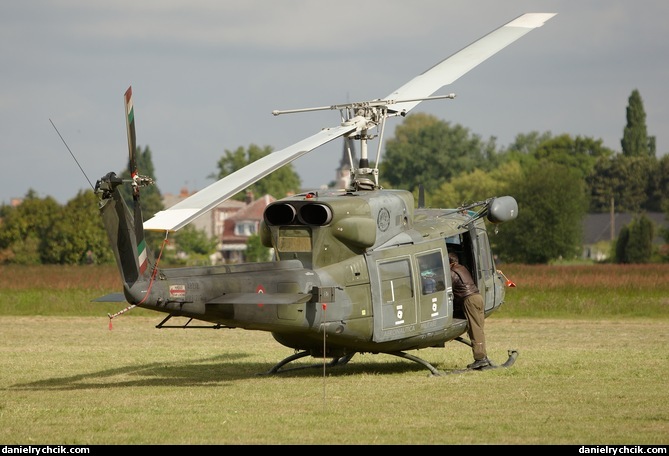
(361, 269)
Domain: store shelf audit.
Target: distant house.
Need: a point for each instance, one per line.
(600, 230)
(238, 227)
(231, 222)
(211, 222)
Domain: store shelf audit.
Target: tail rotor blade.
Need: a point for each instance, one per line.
(130, 126)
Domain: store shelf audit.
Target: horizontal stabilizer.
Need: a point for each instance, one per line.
(261, 298)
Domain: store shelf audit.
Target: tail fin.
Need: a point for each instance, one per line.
(137, 181)
(125, 230)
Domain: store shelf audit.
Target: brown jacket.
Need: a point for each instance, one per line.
(463, 283)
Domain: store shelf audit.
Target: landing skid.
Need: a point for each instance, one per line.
(277, 368)
(341, 361)
(421, 361)
(513, 354)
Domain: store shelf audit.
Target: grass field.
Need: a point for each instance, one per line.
(592, 369)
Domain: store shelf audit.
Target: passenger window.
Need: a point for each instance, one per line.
(431, 267)
(395, 281)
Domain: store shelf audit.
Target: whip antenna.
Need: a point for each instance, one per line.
(75, 158)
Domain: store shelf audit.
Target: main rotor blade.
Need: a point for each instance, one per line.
(421, 86)
(206, 199)
(451, 68)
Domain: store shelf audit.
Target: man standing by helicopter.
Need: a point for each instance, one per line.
(466, 294)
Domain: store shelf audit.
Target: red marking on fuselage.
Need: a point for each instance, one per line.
(260, 290)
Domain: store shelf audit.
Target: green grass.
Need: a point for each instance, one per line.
(70, 380)
(579, 378)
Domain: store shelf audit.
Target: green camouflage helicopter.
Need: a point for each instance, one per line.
(356, 270)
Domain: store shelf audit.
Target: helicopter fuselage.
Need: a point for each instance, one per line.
(363, 269)
(354, 270)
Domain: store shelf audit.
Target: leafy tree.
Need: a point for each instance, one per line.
(629, 180)
(527, 143)
(255, 250)
(429, 151)
(603, 185)
(635, 141)
(659, 199)
(284, 181)
(664, 192)
(664, 233)
(621, 245)
(150, 196)
(635, 241)
(577, 153)
(640, 245)
(551, 207)
(192, 240)
(475, 186)
(522, 149)
(26, 229)
(78, 236)
(635, 180)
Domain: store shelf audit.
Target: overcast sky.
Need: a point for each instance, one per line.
(206, 75)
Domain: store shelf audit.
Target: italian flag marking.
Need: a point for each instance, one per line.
(143, 261)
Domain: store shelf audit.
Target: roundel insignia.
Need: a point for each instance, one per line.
(260, 290)
(383, 219)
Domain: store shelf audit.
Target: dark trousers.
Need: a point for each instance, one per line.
(473, 306)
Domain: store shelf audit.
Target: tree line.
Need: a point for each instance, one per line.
(556, 180)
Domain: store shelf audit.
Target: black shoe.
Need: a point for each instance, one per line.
(479, 363)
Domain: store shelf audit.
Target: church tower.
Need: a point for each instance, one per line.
(343, 178)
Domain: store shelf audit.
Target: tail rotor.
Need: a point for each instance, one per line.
(137, 182)
(132, 141)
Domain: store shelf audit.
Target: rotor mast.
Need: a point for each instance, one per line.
(365, 116)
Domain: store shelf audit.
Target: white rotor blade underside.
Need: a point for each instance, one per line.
(451, 68)
(206, 199)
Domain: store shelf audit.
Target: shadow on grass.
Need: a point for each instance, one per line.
(216, 370)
